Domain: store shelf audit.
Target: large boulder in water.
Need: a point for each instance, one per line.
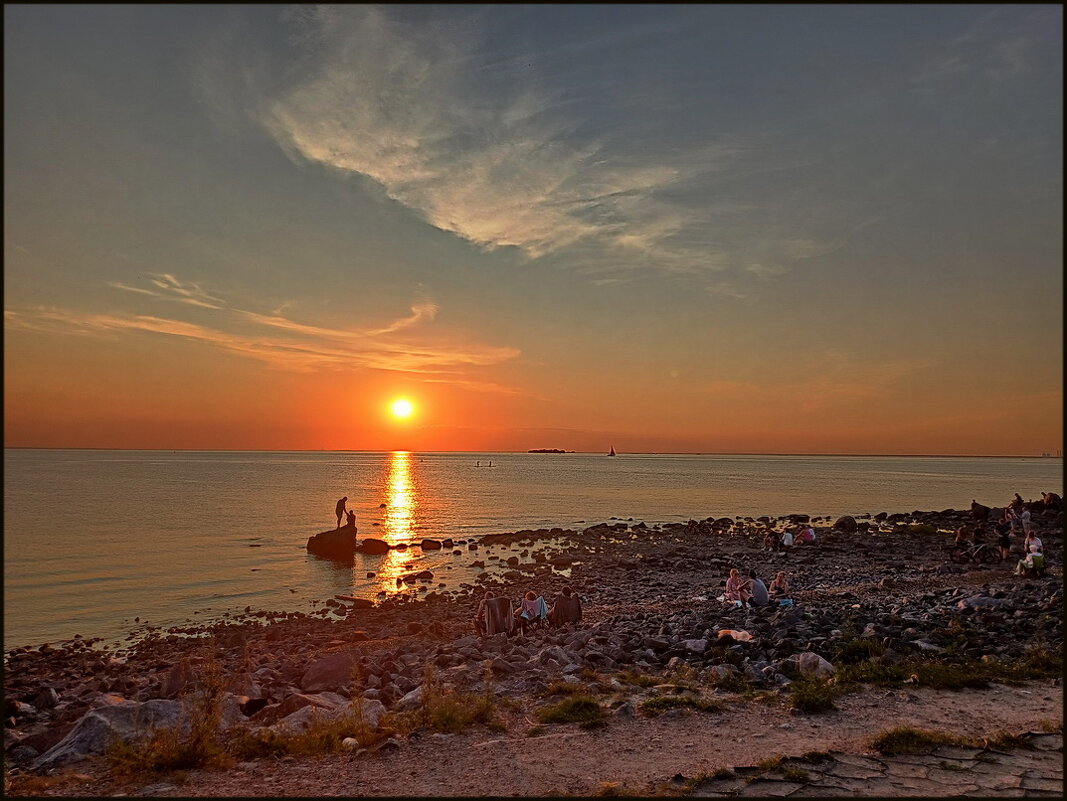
(846, 524)
(335, 544)
(431, 545)
(371, 545)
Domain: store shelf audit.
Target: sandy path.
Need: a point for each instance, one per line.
(640, 753)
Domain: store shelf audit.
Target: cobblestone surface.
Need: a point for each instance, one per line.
(1032, 771)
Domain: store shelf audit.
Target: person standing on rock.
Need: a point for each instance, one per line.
(341, 510)
(1024, 518)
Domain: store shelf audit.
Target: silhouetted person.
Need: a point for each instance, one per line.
(341, 510)
(350, 518)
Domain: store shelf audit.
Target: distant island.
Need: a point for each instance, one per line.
(547, 450)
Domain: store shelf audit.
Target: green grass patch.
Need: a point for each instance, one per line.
(910, 740)
(851, 652)
(812, 695)
(660, 704)
(1005, 741)
(559, 687)
(733, 683)
(1039, 662)
(815, 757)
(638, 679)
(576, 709)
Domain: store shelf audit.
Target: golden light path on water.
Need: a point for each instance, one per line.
(398, 523)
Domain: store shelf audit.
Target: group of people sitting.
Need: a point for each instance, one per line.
(752, 591)
(1015, 520)
(496, 614)
(778, 541)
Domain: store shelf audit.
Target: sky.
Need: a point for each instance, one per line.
(710, 229)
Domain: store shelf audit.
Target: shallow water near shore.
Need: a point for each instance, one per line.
(94, 539)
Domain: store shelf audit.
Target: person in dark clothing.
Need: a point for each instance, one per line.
(341, 510)
(350, 518)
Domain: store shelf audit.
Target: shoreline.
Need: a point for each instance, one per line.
(648, 595)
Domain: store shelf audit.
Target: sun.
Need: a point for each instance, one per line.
(402, 408)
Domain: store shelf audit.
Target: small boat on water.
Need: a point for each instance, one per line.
(612, 451)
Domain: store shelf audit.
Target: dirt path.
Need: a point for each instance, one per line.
(640, 754)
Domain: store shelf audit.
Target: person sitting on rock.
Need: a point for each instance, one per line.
(350, 518)
(1032, 564)
(760, 594)
(1017, 501)
(963, 536)
(567, 608)
(770, 541)
(533, 610)
(479, 615)
(787, 539)
(780, 586)
(737, 588)
(1032, 541)
(806, 536)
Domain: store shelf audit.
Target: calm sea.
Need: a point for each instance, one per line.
(94, 539)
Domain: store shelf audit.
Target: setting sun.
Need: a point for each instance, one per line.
(402, 408)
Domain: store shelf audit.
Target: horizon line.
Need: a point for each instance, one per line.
(575, 453)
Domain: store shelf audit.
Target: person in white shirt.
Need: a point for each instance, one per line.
(787, 539)
(1024, 517)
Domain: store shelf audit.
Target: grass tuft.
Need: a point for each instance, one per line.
(660, 704)
(576, 709)
(813, 696)
(910, 740)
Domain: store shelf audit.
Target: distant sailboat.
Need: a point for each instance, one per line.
(612, 451)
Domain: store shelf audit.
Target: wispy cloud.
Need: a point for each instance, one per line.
(281, 342)
(487, 155)
(996, 47)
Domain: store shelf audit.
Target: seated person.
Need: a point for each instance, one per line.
(805, 536)
(350, 518)
(963, 536)
(779, 587)
(737, 588)
(770, 541)
(567, 608)
(532, 609)
(480, 614)
(979, 535)
(1032, 541)
(760, 594)
(1033, 562)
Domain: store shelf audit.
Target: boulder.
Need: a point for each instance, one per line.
(808, 663)
(128, 721)
(373, 546)
(301, 720)
(332, 673)
(431, 545)
(847, 524)
(411, 700)
(334, 544)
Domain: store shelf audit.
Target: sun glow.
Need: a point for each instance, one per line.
(402, 408)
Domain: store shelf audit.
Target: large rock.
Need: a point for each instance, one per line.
(334, 544)
(301, 720)
(431, 545)
(373, 546)
(332, 673)
(811, 664)
(847, 524)
(128, 721)
(271, 714)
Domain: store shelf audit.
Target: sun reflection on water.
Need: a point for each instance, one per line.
(398, 524)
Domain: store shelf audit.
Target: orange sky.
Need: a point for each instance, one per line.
(845, 243)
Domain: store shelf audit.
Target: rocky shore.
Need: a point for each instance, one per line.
(649, 594)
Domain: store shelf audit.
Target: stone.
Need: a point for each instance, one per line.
(373, 546)
(411, 700)
(330, 673)
(128, 721)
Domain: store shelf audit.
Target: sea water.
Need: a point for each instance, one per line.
(95, 539)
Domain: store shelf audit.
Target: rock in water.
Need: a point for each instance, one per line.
(373, 546)
(335, 544)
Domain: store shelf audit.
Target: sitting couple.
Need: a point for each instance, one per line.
(495, 614)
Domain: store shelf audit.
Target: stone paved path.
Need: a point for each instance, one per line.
(1032, 771)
